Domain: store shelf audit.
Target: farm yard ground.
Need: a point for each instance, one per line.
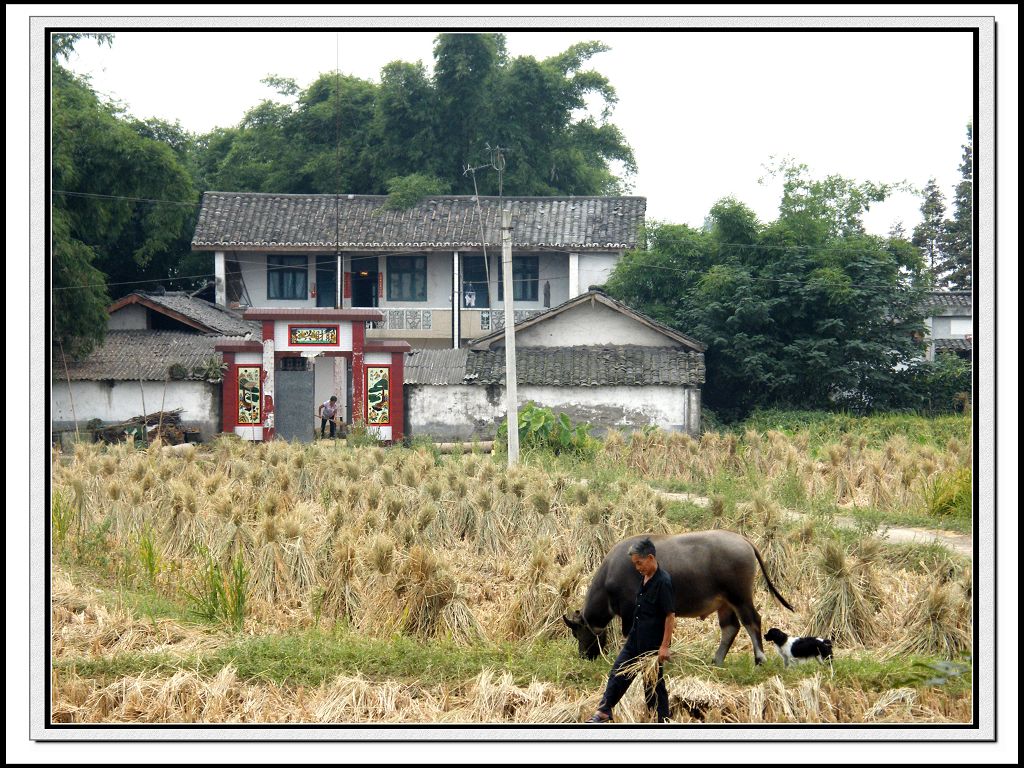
(334, 584)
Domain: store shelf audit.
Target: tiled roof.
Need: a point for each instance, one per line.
(497, 336)
(949, 303)
(234, 220)
(212, 317)
(559, 367)
(145, 355)
(436, 366)
(953, 344)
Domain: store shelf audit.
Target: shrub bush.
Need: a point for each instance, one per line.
(542, 429)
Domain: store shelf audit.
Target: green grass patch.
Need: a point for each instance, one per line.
(141, 600)
(864, 671)
(313, 656)
(825, 428)
(108, 669)
(690, 516)
(789, 491)
(869, 516)
(948, 497)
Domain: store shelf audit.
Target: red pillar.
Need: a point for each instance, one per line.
(229, 396)
(358, 377)
(397, 396)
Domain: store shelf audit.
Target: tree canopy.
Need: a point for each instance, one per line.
(957, 239)
(120, 207)
(807, 311)
(346, 134)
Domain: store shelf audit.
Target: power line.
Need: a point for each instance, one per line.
(94, 195)
(553, 278)
(129, 282)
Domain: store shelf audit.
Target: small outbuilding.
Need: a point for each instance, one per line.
(592, 358)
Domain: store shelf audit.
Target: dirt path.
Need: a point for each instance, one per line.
(957, 542)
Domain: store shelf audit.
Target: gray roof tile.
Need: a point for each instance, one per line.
(559, 367)
(949, 303)
(146, 355)
(237, 220)
(216, 318)
(954, 344)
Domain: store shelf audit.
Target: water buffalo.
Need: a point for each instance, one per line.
(712, 572)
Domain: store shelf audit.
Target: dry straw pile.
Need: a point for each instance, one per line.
(461, 549)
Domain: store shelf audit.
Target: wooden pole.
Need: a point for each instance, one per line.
(142, 391)
(511, 394)
(71, 396)
(163, 398)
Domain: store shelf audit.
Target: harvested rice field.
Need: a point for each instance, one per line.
(280, 583)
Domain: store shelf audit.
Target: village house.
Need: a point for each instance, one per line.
(423, 267)
(397, 314)
(160, 353)
(592, 358)
(949, 318)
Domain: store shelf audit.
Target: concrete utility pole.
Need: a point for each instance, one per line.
(511, 403)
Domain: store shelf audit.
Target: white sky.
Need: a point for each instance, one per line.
(703, 111)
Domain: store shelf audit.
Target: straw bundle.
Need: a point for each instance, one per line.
(841, 611)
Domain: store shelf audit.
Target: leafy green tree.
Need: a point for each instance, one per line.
(465, 71)
(807, 311)
(928, 234)
(940, 384)
(835, 204)
(123, 205)
(405, 123)
(957, 240)
(344, 134)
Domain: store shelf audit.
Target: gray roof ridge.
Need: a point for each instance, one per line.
(362, 196)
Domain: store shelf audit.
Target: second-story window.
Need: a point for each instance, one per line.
(407, 278)
(525, 278)
(287, 277)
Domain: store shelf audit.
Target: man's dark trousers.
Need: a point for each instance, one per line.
(618, 684)
(323, 423)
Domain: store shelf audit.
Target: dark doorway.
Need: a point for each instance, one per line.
(364, 282)
(326, 280)
(294, 405)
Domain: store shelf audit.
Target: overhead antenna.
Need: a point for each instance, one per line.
(495, 162)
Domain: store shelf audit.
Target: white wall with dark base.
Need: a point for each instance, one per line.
(116, 401)
(464, 412)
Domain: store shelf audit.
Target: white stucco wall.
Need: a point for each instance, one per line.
(113, 402)
(596, 268)
(464, 411)
(590, 324)
(439, 283)
(130, 318)
(951, 327)
(553, 268)
(254, 272)
(323, 384)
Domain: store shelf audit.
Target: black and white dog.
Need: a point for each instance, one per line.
(794, 649)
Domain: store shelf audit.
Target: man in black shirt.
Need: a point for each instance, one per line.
(654, 619)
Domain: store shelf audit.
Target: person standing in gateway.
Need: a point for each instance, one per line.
(327, 412)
